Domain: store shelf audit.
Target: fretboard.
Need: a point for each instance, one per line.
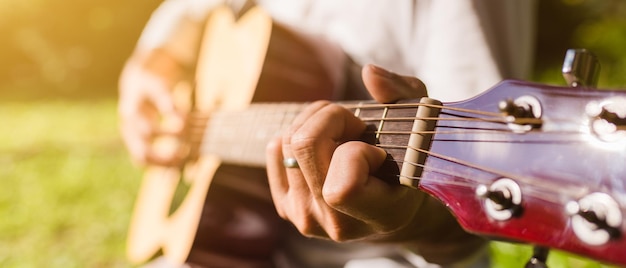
(240, 137)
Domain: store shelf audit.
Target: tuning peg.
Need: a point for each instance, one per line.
(613, 112)
(580, 68)
(539, 258)
(596, 218)
(608, 119)
(523, 113)
(503, 199)
(510, 108)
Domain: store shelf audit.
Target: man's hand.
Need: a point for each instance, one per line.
(332, 193)
(147, 109)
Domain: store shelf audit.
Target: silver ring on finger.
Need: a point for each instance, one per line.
(290, 162)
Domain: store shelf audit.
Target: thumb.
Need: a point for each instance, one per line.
(388, 87)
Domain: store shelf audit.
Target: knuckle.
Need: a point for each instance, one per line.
(334, 108)
(301, 143)
(351, 150)
(308, 226)
(303, 218)
(341, 197)
(337, 234)
(337, 230)
(335, 196)
(281, 207)
(281, 212)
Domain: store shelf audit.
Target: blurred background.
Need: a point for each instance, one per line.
(66, 185)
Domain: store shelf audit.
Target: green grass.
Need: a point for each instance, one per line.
(507, 255)
(67, 189)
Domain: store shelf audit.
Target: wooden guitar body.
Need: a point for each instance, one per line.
(241, 60)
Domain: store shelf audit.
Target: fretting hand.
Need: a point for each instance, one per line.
(331, 192)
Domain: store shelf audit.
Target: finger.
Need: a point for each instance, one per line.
(351, 189)
(147, 146)
(302, 117)
(388, 87)
(137, 132)
(297, 183)
(291, 195)
(277, 175)
(315, 141)
(167, 150)
(160, 96)
(135, 144)
(298, 189)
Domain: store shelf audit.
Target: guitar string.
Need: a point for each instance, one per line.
(417, 105)
(546, 185)
(522, 121)
(464, 130)
(488, 120)
(299, 107)
(494, 117)
(453, 132)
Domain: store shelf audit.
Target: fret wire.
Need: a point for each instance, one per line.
(357, 111)
(382, 122)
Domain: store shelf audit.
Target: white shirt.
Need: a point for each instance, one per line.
(458, 48)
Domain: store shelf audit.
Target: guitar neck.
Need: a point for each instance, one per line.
(240, 137)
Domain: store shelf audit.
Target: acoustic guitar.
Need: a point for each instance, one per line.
(533, 163)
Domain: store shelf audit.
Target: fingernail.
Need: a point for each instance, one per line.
(381, 71)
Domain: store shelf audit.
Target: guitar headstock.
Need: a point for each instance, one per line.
(535, 163)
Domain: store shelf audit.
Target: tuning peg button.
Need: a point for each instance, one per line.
(503, 199)
(522, 114)
(596, 218)
(608, 118)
